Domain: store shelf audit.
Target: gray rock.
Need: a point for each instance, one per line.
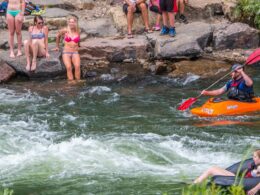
(46, 68)
(115, 49)
(80, 4)
(236, 35)
(101, 27)
(190, 41)
(56, 18)
(6, 72)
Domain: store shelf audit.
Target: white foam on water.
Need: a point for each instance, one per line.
(113, 98)
(97, 90)
(107, 77)
(190, 78)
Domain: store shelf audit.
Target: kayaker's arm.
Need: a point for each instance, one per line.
(254, 190)
(214, 92)
(248, 80)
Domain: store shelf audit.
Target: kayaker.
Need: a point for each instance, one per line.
(252, 171)
(240, 87)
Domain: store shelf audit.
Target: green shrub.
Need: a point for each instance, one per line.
(7, 192)
(249, 11)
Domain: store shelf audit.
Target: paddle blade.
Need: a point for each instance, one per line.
(254, 57)
(185, 105)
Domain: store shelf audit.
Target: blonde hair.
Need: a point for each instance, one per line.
(76, 21)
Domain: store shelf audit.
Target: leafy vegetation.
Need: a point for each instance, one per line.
(249, 11)
(7, 192)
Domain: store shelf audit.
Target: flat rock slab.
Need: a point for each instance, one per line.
(56, 18)
(115, 49)
(102, 27)
(80, 4)
(6, 72)
(190, 41)
(49, 3)
(46, 68)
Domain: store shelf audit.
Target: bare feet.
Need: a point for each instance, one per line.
(28, 67)
(19, 53)
(33, 68)
(12, 54)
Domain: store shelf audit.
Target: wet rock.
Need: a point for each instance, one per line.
(101, 27)
(203, 68)
(114, 49)
(6, 72)
(90, 74)
(236, 35)
(46, 68)
(187, 43)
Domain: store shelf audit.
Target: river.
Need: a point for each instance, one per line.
(113, 138)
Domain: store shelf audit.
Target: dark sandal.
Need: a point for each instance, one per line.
(130, 36)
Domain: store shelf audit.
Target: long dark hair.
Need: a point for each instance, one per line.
(36, 18)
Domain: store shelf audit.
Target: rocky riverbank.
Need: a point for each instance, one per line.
(209, 34)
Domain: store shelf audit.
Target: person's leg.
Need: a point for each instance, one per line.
(144, 11)
(156, 10)
(35, 49)
(211, 172)
(67, 62)
(165, 28)
(11, 28)
(182, 7)
(27, 54)
(171, 17)
(76, 63)
(18, 30)
(41, 49)
(130, 19)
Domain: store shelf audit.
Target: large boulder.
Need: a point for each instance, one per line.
(46, 68)
(80, 4)
(190, 41)
(50, 3)
(101, 27)
(115, 49)
(236, 35)
(6, 72)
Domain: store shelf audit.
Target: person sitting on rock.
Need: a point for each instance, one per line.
(37, 45)
(240, 87)
(70, 54)
(168, 8)
(155, 7)
(136, 6)
(14, 19)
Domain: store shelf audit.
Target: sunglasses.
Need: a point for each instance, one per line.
(40, 23)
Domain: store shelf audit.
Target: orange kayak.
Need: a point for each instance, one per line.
(226, 107)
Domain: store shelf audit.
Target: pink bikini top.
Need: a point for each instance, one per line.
(69, 39)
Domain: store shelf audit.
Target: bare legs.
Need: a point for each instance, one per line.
(144, 10)
(211, 172)
(169, 15)
(68, 61)
(130, 16)
(36, 48)
(15, 26)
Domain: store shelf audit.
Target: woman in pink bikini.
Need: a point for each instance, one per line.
(70, 54)
(37, 45)
(14, 19)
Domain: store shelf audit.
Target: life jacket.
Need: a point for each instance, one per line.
(236, 91)
(251, 167)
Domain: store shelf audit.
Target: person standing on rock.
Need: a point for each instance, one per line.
(155, 7)
(70, 54)
(37, 45)
(168, 8)
(136, 6)
(181, 11)
(14, 19)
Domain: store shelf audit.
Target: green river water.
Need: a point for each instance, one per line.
(122, 138)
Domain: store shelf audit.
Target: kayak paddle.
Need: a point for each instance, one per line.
(253, 58)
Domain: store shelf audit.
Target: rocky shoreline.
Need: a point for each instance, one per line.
(209, 35)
